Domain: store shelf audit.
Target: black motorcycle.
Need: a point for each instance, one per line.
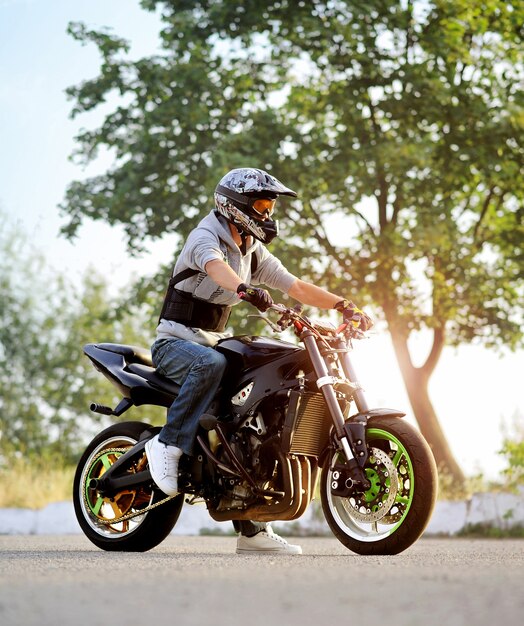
(286, 418)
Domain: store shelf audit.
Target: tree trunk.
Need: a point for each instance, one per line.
(416, 380)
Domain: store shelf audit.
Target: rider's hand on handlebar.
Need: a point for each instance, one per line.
(354, 316)
(255, 296)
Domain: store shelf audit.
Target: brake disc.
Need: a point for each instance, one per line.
(375, 503)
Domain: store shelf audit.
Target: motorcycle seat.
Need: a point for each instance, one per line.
(132, 354)
(153, 377)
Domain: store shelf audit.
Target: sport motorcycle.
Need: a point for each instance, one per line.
(289, 421)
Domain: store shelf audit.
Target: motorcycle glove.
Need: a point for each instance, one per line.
(351, 314)
(255, 296)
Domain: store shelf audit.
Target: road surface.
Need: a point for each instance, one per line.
(54, 580)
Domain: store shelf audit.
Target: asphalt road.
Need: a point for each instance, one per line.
(200, 580)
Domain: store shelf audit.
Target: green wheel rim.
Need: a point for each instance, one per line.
(106, 462)
(400, 456)
(99, 511)
(381, 510)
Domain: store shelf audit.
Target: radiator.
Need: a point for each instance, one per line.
(307, 424)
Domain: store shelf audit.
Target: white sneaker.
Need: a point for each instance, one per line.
(265, 542)
(163, 465)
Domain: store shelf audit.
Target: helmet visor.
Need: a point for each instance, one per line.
(264, 206)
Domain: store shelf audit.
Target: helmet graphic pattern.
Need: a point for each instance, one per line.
(250, 180)
(234, 195)
(226, 208)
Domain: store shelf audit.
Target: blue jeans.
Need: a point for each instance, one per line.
(198, 370)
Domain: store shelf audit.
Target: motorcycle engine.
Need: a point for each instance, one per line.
(245, 444)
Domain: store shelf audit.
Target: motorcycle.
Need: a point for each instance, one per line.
(288, 418)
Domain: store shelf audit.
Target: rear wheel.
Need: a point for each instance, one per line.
(392, 514)
(98, 515)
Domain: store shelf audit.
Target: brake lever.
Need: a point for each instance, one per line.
(350, 332)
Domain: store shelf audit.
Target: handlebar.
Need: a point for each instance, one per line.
(293, 316)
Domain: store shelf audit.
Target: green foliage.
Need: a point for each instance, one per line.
(21, 349)
(513, 452)
(405, 118)
(492, 531)
(46, 382)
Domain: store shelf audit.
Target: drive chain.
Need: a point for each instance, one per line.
(128, 516)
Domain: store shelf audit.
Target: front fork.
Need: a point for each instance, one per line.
(351, 436)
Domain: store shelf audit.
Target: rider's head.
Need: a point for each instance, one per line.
(246, 197)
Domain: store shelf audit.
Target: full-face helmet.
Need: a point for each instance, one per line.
(246, 197)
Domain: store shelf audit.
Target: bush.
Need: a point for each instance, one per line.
(514, 473)
(513, 451)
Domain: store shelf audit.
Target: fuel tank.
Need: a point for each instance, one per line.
(246, 352)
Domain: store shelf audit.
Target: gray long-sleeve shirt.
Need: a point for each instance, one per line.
(212, 240)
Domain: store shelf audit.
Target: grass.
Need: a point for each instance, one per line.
(33, 485)
(491, 531)
(447, 490)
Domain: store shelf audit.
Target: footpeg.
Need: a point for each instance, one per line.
(100, 408)
(208, 422)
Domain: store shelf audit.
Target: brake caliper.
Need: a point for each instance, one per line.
(347, 479)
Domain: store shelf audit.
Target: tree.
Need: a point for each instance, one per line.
(21, 348)
(46, 383)
(404, 118)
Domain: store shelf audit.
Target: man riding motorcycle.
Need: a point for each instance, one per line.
(222, 259)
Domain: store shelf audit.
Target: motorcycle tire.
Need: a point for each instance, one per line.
(392, 514)
(94, 512)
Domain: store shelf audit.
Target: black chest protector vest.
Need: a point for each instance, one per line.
(184, 308)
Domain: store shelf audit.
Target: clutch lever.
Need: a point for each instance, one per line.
(271, 324)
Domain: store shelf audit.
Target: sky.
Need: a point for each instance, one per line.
(475, 392)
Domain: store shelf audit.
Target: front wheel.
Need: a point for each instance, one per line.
(99, 516)
(392, 514)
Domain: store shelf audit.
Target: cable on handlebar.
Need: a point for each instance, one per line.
(294, 314)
